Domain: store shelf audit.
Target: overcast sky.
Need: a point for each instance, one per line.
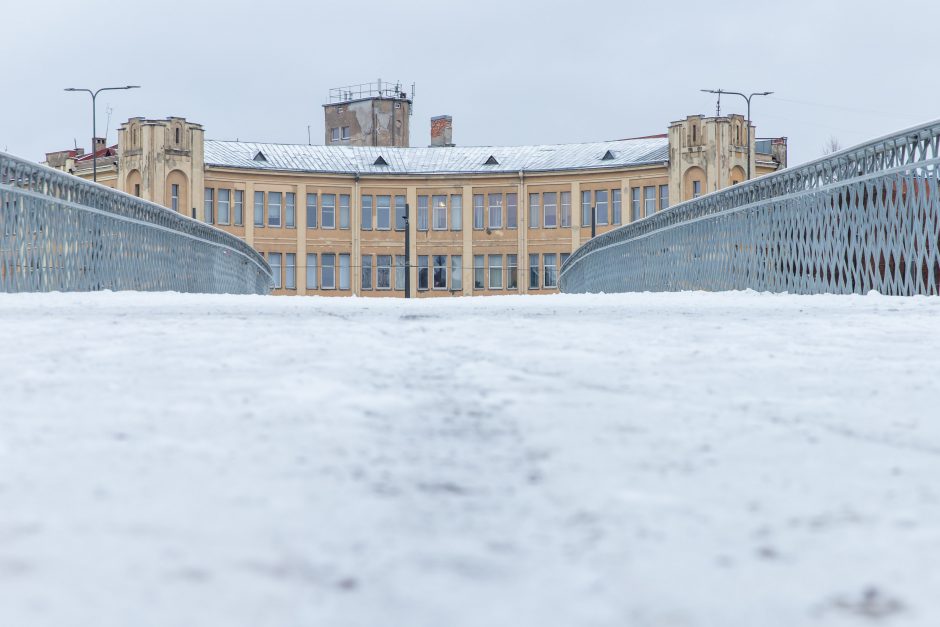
(508, 71)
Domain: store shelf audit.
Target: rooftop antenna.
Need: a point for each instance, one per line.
(308, 135)
(718, 106)
(107, 126)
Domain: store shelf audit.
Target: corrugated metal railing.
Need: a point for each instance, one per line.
(866, 218)
(61, 233)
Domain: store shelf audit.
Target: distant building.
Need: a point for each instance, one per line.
(483, 220)
(372, 114)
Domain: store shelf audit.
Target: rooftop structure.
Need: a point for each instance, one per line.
(368, 114)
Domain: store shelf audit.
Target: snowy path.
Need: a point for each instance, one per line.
(678, 459)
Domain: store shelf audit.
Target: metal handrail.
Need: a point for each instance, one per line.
(914, 151)
(60, 232)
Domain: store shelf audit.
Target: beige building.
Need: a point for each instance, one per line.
(331, 218)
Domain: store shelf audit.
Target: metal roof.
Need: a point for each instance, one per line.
(436, 160)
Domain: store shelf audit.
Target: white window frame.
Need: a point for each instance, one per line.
(439, 212)
(379, 266)
(274, 260)
(495, 271)
(328, 280)
(323, 211)
(312, 279)
(434, 269)
(553, 197)
(345, 272)
(495, 210)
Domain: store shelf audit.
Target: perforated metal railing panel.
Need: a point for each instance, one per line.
(867, 218)
(61, 233)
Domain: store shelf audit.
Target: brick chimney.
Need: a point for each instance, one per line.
(99, 144)
(442, 130)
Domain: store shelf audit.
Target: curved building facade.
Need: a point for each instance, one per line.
(331, 219)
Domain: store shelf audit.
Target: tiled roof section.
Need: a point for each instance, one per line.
(110, 151)
(437, 160)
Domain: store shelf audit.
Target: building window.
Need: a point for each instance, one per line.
(344, 211)
(422, 213)
(566, 209)
(479, 272)
(440, 272)
(422, 272)
(328, 271)
(239, 207)
(345, 132)
(649, 201)
(534, 271)
(563, 259)
(209, 205)
(175, 197)
(550, 270)
(367, 272)
(456, 212)
(456, 273)
(334, 134)
(366, 206)
(401, 213)
(259, 209)
(383, 272)
(137, 189)
(290, 212)
(311, 211)
(600, 207)
(274, 209)
(616, 207)
(224, 214)
(439, 217)
(512, 272)
(344, 272)
(478, 212)
(328, 211)
(274, 260)
(696, 189)
(311, 271)
(177, 135)
(663, 197)
(635, 204)
(496, 211)
(290, 271)
(400, 272)
(550, 209)
(512, 211)
(496, 272)
(534, 211)
(383, 212)
(585, 208)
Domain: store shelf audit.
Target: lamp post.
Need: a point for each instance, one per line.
(748, 99)
(94, 122)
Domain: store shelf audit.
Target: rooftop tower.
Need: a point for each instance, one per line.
(370, 114)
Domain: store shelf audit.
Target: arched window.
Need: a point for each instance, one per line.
(177, 135)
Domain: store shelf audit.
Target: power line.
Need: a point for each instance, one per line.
(845, 108)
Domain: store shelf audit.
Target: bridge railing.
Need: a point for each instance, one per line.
(866, 218)
(62, 233)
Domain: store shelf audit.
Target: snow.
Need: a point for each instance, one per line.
(642, 459)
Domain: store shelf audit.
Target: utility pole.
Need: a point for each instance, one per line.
(94, 123)
(748, 100)
(407, 253)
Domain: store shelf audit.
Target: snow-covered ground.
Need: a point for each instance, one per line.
(697, 459)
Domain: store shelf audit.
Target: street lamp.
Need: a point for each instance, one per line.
(748, 99)
(94, 122)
